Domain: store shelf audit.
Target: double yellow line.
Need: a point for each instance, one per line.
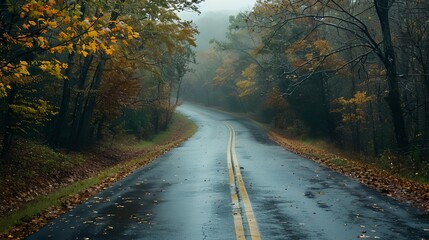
(239, 192)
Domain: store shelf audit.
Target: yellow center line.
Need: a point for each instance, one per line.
(234, 168)
(238, 222)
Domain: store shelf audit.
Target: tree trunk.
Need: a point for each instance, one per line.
(8, 134)
(426, 109)
(62, 115)
(85, 121)
(373, 126)
(79, 100)
(179, 87)
(326, 94)
(388, 57)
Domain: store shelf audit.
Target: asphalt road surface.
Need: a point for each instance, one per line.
(229, 181)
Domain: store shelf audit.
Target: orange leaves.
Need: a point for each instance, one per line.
(275, 100)
(26, 26)
(323, 47)
(119, 89)
(109, 51)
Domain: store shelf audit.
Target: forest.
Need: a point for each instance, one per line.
(76, 72)
(355, 73)
(352, 72)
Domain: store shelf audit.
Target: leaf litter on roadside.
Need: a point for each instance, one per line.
(393, 186)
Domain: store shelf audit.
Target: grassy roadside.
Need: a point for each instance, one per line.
(33, 214)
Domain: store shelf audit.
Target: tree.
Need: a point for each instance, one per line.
(341, 17)
(73, 42)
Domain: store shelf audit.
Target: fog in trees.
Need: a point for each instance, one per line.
(351, 72)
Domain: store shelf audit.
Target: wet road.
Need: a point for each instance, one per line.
(229, 181)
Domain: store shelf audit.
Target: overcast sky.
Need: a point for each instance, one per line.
(220, 5)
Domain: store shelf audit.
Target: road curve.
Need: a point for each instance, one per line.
(189, 194)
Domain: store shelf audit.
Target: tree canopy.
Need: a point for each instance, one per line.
(70, 70)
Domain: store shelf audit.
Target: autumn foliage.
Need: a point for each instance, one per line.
(70, 70)
(352, 72)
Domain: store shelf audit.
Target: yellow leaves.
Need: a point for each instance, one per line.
(23, 63)
(28, 44)
(42, 42)
(352, 110)
(52, 24)
(135, 35)
(92, 33)
(32, 23)
(63, 36)
(129, 29)
(109, 51)
(360, 98)
(3, 90)
(131, 33)
(70, 47)
(37, 112)
(66, 20)
(84, 53)
(243, 84)
(53, 68)
(250, 71)
(44, 67)
(245, 88)
(309, 56)
(21, 69)
(93, 46)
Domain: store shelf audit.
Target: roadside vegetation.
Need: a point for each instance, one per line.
(40, 184)
(402, 184)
